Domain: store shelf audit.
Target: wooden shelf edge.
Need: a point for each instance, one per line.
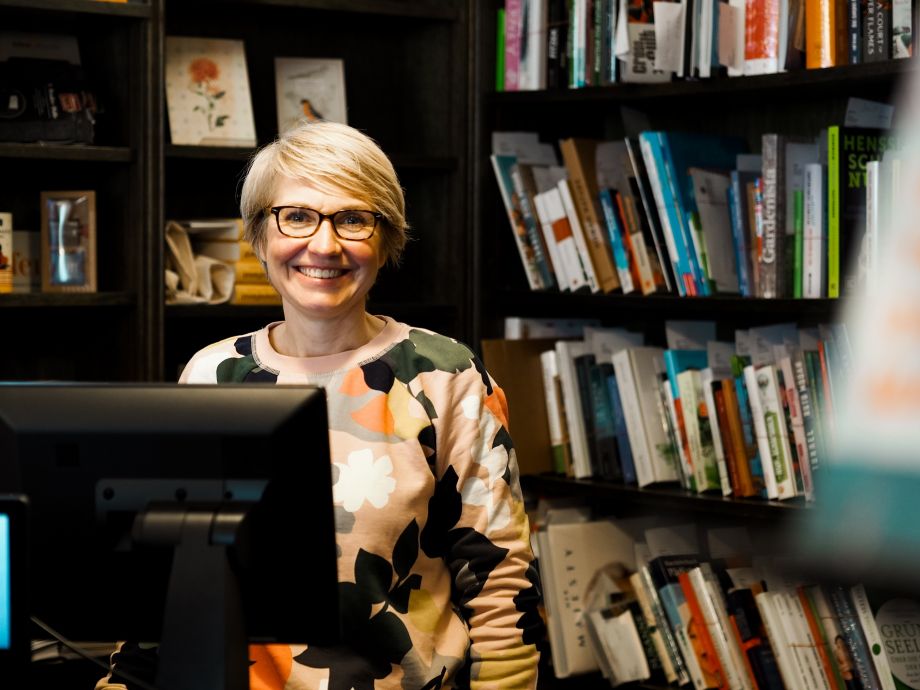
(45, 300)
(524, 303)
(415, 9)
(805, 78)
(113, 9)
(667, 496)
(67, 152)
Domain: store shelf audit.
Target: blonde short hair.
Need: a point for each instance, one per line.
(336, 159)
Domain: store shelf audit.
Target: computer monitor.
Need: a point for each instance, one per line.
(14, 620)
(126, 482)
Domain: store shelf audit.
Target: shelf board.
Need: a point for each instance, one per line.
(67, 152)
(418, 9)
(406, 162)
(230, 153)
(666, 497)
(68, 299)
(113, 9)
(531, 303)
(810, 79)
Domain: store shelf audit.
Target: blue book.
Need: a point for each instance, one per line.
(739, 238)
(615, 233)
(680, 152)
(662, 186)
(747, 423)
(627, 464)
(676, 361)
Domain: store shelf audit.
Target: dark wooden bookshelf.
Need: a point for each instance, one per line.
(665, 497)
(407, 162)
(552, 303)
(67, 152)
(829, 80)
(416, 9)
(136, 10)
(56, 300)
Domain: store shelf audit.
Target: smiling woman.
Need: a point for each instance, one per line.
(436, 577)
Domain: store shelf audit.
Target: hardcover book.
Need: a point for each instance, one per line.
(207, 92)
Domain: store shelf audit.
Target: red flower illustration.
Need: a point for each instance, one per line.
(203, 69)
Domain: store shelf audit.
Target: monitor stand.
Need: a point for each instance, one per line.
(203, 644)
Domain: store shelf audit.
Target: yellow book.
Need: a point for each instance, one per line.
(249, 271)
(255, 294)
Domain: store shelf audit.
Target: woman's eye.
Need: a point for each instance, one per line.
(296, 216)
(350, 219)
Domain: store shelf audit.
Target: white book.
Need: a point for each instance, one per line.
(620, 646)
(552, 390)
(705, 37)
(578, 235)
(760, 431)
(636, 371)
(788, 669)
(532, 69)
(719, 632)
(553, 614)
(873, 638)
(901, 29)
(798, 635)
(559, 235)
(699, 441)
(563, 279)
(567, 351)
(670, 408)
(711, 192)
(771, 402)
(814, 236)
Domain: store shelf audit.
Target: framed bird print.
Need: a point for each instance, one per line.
(309, 89)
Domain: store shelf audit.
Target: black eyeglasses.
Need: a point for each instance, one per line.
(300, 222)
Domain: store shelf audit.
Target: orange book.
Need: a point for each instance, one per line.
(728, 446)
(739, 448)
(698, 633)
(820, 33)
(820, 640)
(255, 294)
(579, 156)
(629, 225)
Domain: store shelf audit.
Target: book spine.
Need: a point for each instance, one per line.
(533, 228)
(615, 233)
(772, 401)
(854, 31)
(672, 600)
(514, 14)
(624, 450)
(554, 412)
(738, 235)
(581, 245)
(873, 638)
(809, 418)
(604, 430)
(681, 220)
(574, 415)
(502, 167)
(632, 412)
(798, 199)
(813, 259)
(774, 195)
(500, 50)
(560, 268)
(714, 672)
(648, 143)
(713, 409)
(823, 644)
(902, 39)
(791, 675)
(255, 294)
(768, 461)
(635, 244)
(820, 32)
(653, 626)
(6, 253)
(744, 486)
(854, 638)
(833, 211)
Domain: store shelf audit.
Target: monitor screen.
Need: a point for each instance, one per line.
(92, 458)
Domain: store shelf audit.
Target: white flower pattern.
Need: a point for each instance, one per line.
(364, 479)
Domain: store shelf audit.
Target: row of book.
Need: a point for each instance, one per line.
(209, 262)
(551, 44)
(751, 419)
(697, 215)
(642, 602)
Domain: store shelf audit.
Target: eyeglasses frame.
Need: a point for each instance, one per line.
(276, 210)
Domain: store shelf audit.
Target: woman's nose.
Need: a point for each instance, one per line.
(324, 240)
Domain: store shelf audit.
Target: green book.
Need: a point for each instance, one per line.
(500, 50)
(798, 216)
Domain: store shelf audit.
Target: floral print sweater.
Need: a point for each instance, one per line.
(435, 568)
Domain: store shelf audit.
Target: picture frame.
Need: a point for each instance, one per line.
(68, 241)
(308, 89)
(208, 101)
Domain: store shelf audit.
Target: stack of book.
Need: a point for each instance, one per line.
(551, 44)
(653, 604)
(696, 215)
(220, 250)
(751, 418)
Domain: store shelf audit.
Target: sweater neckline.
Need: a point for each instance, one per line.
(269, 358)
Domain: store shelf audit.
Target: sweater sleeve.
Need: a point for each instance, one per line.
(488, 548)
